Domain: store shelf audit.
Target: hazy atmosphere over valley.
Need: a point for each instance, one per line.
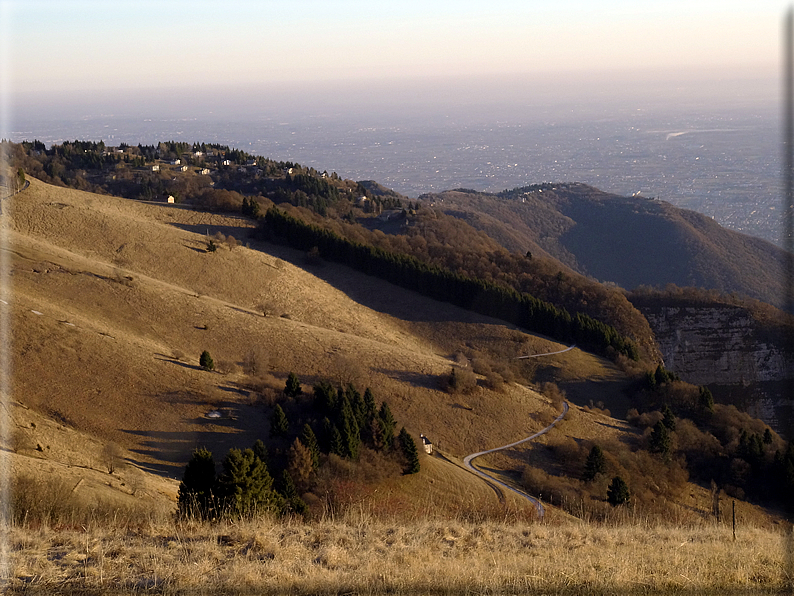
(394, 297)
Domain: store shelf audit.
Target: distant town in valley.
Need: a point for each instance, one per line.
(724, 164)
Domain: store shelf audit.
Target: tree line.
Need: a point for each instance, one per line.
(478, 295)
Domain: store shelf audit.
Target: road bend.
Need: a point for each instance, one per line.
(467, 462)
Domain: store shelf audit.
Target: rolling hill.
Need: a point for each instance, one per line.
(113, 300)
(630, 241)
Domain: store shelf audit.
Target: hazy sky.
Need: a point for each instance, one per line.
(84, 49)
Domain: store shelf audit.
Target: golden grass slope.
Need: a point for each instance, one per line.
(110, 299)
(111, 303)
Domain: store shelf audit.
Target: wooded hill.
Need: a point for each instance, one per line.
(357, 212)
(631, 241)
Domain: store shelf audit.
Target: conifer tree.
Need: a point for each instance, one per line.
(205, 361)
(299, 464)
(388, 423)
(375, 435)
(662, 375)
(291, 501)
(705, 400)
(260, 450)
(595, 464)
(337, 445)
(618, 492)
(370, 409)
(326, 433)
(659, 440)
(650, 379)
(351, 437)
(293, 386)
(196, 490)
(245, 485)
(409, 450)
(279, 425)
(309, 440)
(359, 410)
(668, 418)
(325, 397)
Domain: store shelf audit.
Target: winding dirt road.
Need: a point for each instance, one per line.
(469, 458)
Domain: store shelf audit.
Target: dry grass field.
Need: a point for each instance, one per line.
(110, 302)
(359, 554)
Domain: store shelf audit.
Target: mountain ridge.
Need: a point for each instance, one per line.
(629, 241)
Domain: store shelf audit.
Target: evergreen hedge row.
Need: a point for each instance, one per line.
(441, 284)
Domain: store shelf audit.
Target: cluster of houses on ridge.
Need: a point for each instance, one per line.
(215, 157)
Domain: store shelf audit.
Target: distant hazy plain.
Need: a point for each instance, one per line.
(710, 146)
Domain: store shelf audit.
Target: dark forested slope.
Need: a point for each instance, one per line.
(626, 240)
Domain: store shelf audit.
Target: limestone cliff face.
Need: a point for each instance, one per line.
(718, 344)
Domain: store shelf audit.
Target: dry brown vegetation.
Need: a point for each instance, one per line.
(358, 554)
(112, 303)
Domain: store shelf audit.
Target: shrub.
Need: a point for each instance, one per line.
(112, 457)
(554, 393)
(461, 380)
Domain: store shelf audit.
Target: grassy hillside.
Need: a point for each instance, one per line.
(111, 302)
(128, 298)
(365, 213)
(626, 240)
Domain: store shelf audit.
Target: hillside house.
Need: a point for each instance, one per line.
(204, 171)
(182, 168)
(170, 199)
(427, 444)
(226, 162)
(156, 167)
(176, 162)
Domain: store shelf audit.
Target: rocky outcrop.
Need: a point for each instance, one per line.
(718, 344)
